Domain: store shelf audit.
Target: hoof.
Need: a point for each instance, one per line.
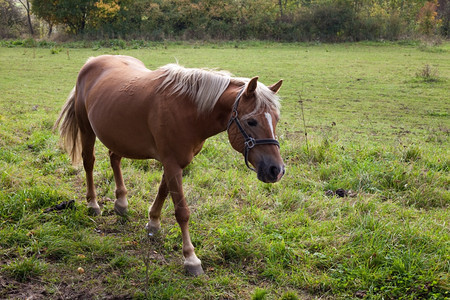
(194, 270)
(152, 228)
(120, 210)
(94, 210)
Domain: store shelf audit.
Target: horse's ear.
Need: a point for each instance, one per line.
(251, 86)
(276, 86)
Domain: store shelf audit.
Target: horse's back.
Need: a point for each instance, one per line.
(115, 65)
(116, 61)
(117, 96)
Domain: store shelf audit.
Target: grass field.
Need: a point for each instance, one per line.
(377, 123)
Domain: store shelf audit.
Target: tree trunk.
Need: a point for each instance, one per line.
(50, 29)
(281, 8)
(26, 4)
(29, 23)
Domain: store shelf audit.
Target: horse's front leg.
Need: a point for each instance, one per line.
(174, 182)
(121, 203)
(154, 212)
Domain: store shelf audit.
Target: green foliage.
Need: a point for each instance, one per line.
(75, 15)
(259, 294)
(289, 296)
(55, 50)
(333, 21)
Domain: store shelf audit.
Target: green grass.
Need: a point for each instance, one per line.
(377, 126)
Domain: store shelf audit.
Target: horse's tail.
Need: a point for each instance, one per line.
(69, 130)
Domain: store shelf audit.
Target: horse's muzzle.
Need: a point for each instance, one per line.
(270, 172)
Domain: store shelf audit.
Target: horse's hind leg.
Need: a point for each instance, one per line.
(87, 152)
(154, 213)
(121, 203)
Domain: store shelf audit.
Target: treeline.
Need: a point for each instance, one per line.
(281, 20)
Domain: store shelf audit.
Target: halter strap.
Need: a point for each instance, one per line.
(249, 142)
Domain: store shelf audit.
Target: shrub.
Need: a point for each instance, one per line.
(428, 74)
(332, 21)
(427, 20)
(29, 43)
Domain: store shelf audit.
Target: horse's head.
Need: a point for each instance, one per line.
(251, 129)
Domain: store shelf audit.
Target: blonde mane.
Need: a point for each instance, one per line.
(205, 87)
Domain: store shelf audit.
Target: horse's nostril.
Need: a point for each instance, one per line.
(274, 171)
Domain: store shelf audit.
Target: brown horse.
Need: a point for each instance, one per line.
(167, 114)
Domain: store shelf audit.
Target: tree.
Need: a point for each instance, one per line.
(46, 10)
(12, 20)
(106, 12)
(26, 5)
(73, 14)
(444, 15)
(427, 18)
(287, 5)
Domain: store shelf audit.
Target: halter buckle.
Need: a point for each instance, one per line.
(250, 143)
(234, 114)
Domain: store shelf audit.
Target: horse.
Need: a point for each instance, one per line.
(167, 114)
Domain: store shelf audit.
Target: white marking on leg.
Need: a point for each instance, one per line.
(152, 227)
(154, 224)
(269, 119)
(192, 260)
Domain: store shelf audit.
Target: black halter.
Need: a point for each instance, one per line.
(249, 142)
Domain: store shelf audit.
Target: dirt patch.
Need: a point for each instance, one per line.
(36, 289)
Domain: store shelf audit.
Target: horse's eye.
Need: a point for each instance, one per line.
(252, 122)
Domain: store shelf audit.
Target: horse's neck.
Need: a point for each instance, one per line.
(217, 120)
